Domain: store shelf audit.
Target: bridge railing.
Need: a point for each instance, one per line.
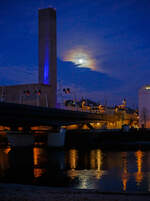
(81, 109)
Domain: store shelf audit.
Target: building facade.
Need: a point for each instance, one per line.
(144, 106)
(44, 92)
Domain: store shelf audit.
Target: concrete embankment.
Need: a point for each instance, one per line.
(17, 192)
(108, 138)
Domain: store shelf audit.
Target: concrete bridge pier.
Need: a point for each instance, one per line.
(25, 138)
(56, 137)
(14, 128)
(20, 138)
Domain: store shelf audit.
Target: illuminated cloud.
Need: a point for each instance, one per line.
(80, 57)
(84, 82)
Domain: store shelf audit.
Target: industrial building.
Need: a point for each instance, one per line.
(144, 106)
(44, 92)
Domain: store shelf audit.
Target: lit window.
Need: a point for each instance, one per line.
(147, 88)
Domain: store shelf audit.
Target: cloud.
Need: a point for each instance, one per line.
(101, 86)
(11, 75)
(83, 82)
(122, 4)
(81, 57)
(84, 77)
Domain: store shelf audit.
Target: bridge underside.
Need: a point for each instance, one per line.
(25, 115)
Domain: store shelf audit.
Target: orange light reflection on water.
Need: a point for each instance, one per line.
(96, 162)
(73, 158)
(125, 174)
(4, 160)
(139, 175)
(38, 156)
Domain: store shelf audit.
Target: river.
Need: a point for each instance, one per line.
(104, 170)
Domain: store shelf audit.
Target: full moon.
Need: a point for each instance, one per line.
(81, 61)
(81, 58)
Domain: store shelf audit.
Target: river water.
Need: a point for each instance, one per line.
(113, 171)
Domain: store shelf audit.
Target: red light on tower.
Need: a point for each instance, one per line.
(67, 91)
(27, 93)
(39, 92)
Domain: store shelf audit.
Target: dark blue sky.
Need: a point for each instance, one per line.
(114, 32)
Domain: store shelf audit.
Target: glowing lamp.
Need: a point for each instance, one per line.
(147, 88)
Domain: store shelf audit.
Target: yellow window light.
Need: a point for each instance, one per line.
(147, 88)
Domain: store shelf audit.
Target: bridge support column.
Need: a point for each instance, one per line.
(57, 139)
(13, 128)
(20, 139)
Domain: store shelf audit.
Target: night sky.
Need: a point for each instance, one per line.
(103, 46)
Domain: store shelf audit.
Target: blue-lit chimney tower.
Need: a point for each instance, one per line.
(47, 48)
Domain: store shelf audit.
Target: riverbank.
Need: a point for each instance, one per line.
(17, 192)
(108, 138)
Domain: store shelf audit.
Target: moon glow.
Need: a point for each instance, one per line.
(81, 58)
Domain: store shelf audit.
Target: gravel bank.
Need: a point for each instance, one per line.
(17, 192)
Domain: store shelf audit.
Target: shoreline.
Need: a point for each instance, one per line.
(20, 192)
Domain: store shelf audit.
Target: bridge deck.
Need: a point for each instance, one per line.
(19, 114)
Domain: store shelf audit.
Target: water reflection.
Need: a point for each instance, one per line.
(139, 174)
(96, 162)
(91, 161)
(73, 157)
(49, 165)
(125, 175)
(4, 161)
(84, 169)
(100, 165)
(39, 160)
(16, 165)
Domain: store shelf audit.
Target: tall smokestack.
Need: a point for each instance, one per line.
(47, 47)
